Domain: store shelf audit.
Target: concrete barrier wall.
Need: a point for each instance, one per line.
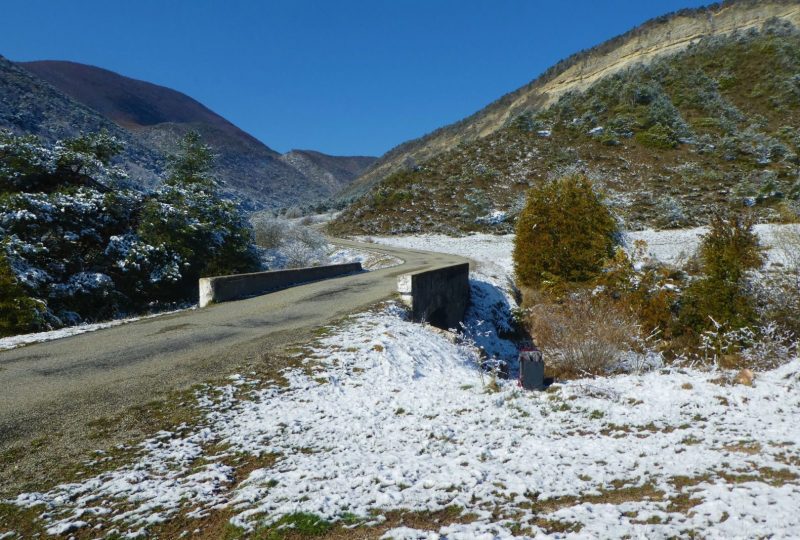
(224, 288)
(439, 297)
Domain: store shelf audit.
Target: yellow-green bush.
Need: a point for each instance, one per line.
(720, 295)
(564, 234)
(658, 136)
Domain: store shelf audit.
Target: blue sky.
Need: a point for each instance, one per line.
(342, 77)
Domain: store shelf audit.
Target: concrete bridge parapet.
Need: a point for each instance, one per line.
(439, 297)
(225, 288)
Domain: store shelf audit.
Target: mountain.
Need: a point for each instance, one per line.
(30, 105)
(335, 172)
(682, 113)
(152, 119)
(130, 103)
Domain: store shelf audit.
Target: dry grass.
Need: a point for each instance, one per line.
(580, 335)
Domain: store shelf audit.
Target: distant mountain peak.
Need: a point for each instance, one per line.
(57, 99)
(129, 102)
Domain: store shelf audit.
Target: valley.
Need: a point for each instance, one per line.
(573, 314)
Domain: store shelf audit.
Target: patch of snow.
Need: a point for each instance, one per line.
(39, 337)
(494, 217)
(492, 290)
(65, 527)
(676, 246)
(370, 260)
(492, 253)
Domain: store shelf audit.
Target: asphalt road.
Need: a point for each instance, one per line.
(99, 374)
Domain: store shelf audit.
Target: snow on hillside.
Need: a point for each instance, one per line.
(493, 252)
(390, 414)
(675, 246)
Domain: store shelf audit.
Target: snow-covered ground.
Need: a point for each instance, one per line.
(369, 259)
(676, 246)
(493, 252)
(389, 414)
(13, 342)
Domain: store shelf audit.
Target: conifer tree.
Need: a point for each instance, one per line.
(190, 216)
(720, 296)
(18, 313)
(564, 234)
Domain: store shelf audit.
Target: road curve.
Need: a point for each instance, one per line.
(99, 374)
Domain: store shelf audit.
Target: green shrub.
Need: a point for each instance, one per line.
(564, 234)
(658, 136)
(721, 296)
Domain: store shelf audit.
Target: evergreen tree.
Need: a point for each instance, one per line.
(729, 250)
(18, 312)
(188, 214)
(564, 234)
(73, 249)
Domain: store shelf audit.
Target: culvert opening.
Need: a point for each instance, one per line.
(438, 318)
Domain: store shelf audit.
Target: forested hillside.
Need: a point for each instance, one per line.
(59, 100)
(714, 124)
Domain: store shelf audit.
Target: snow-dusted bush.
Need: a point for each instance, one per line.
(293, 213)
(671, 212)
(760, 348)
(82, 247)
(769, 347)
(269, 232)
(299, 255)
(721, 294)
(287, 244)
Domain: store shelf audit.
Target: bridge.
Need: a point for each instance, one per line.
(53, 386)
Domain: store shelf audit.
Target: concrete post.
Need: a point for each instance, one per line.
(531, 369)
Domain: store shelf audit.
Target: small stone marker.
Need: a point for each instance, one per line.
(531, 369)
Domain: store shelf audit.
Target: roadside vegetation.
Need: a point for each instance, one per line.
(287, 243)
(77, 244)
(595, 307)
(381, 426)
